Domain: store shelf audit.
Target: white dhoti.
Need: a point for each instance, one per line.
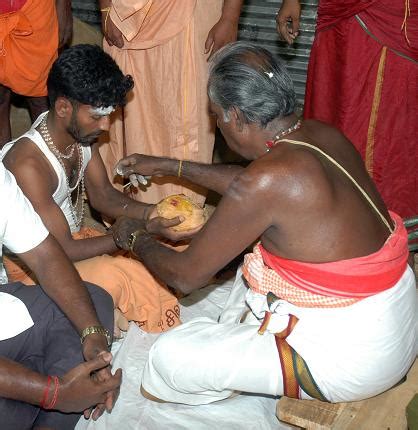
(352, 353)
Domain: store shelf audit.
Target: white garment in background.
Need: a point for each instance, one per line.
(60, 195)
(21, 229)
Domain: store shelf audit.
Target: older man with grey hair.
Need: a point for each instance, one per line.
(327, 287)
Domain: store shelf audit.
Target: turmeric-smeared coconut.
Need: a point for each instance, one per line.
(180, 205)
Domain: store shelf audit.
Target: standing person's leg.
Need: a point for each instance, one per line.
(37, 105)
(5, 130)
(52, 346)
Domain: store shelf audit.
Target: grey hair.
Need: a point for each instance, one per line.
(245, 77)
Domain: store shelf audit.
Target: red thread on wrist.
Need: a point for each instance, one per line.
(55, 396)
(46, 392)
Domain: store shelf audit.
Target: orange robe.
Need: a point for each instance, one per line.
(28, 47)
(167, 111)
(139, 296)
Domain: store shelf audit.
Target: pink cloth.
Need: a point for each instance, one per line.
(354, 278)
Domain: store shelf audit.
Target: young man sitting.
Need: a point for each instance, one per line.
(58, 160)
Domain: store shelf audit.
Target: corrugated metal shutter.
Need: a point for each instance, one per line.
(258, 24)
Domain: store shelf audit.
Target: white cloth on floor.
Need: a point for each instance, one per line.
(134, 412)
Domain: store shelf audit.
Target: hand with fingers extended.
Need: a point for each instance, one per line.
(139, 168)
(288, 20)
(158, 226)
(162, 227)
(81, 388)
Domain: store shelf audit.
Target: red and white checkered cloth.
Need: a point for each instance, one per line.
(262, 279)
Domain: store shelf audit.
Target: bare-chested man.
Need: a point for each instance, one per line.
(58, 159)
(328, 279)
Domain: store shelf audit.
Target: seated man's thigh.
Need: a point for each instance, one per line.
(204, 356)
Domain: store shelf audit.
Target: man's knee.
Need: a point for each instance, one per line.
(100, 296)
(169, 352)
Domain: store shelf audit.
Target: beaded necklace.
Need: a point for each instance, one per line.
(77, 209)
(272, 143)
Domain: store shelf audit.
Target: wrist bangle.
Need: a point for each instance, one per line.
(179, 169)
(96, 329)
(133, 237)
(55, 396)
(54, 399)
(46, 392)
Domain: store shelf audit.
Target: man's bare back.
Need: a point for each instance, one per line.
(318, 214)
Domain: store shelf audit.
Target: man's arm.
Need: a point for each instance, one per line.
(24, 234)
(65, 22)
(63, 285)
(239, 219)
(38, 182)
(111, 33)
(77, 390)
(105, 198)
(226, 29)
(216, 177)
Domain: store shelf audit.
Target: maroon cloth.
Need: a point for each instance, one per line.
(7, 6)
(377, 109)
(330, 12)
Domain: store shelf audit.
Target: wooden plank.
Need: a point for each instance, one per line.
(385, 411)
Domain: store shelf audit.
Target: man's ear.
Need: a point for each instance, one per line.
(236, 116)
(63, 107)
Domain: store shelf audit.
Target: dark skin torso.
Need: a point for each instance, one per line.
(299, 204)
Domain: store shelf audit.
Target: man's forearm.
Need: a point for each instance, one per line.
(81, 249)
(168, 265)
(216, 177)
(19, 383)
(61, 283)
(231, 10)
(114, 204)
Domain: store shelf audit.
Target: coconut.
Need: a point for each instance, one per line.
(179, 205)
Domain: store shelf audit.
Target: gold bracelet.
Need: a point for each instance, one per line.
(107, 10)
(96, 329)
(179, 169)
(133, 237)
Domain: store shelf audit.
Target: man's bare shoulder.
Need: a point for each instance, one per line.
(288, 172)
(28, 163)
